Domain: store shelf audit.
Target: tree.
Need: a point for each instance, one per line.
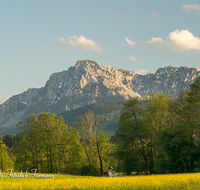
(140, 126)
(181, 143)
(158, 114)
(182, 156)
(189, 112)
(132, 138)
(70, 152)
(26, 148)
(162, 131)
(47, 144)
(95, 142)
(8, 161)
(8, 140)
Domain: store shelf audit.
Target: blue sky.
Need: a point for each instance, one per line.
(41, 37)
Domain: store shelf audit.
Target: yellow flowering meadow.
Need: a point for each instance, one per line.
(167, 182)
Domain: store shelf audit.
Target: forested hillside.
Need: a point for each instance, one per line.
(110, 111)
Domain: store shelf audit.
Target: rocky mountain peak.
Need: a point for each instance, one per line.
(165, 70)
(86, 62)
(88, 82)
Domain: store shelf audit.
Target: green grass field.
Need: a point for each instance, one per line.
(151, 182)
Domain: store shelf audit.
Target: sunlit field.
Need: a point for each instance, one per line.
(169, 182)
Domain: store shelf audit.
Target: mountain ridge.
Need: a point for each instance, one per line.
(88, 82)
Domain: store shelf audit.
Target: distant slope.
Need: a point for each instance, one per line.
(110, 110)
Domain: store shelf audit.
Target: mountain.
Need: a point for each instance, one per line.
(89, 82)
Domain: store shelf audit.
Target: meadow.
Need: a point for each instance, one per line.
(61, 182)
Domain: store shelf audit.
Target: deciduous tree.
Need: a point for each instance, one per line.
(95, 142)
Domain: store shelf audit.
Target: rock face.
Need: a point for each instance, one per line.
(89, 82)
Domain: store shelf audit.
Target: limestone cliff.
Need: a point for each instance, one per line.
(89, 82)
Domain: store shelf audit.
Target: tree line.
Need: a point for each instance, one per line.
(159, 134)
(47, 144)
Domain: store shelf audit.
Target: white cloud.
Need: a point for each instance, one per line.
(116, 13)
(191, 7)
(51, 38)
(131, 59)
(81, 42)
(145, 16)
(130, 43)
(177, 41)
(157, 14)
(142, 72)
(44, 48)
(29, 45)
